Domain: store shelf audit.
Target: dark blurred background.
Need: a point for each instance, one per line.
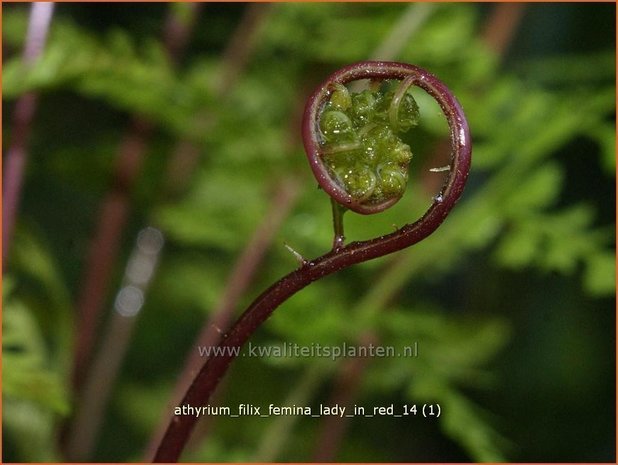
(185, 118)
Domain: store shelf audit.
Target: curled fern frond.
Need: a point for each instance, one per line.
(340, 131)
(353, 139)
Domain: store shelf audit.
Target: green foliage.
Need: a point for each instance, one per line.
(214, 199)
(35, 350)
(33, 394)
(130, 77)
(46, 294)
(467, 424)
(452, 354)
(536, 207)
(25, 361)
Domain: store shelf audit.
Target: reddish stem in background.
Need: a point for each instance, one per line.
(17, 154)
(346, 387)
(213, 370)
(115, 210)
(502, 25)
(242, 44)
(105, 245)
(239, 281)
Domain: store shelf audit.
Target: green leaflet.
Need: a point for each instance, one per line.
(26, 374)
(33, 394)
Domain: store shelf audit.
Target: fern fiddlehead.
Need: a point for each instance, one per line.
(360, 145)
(342, 132)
